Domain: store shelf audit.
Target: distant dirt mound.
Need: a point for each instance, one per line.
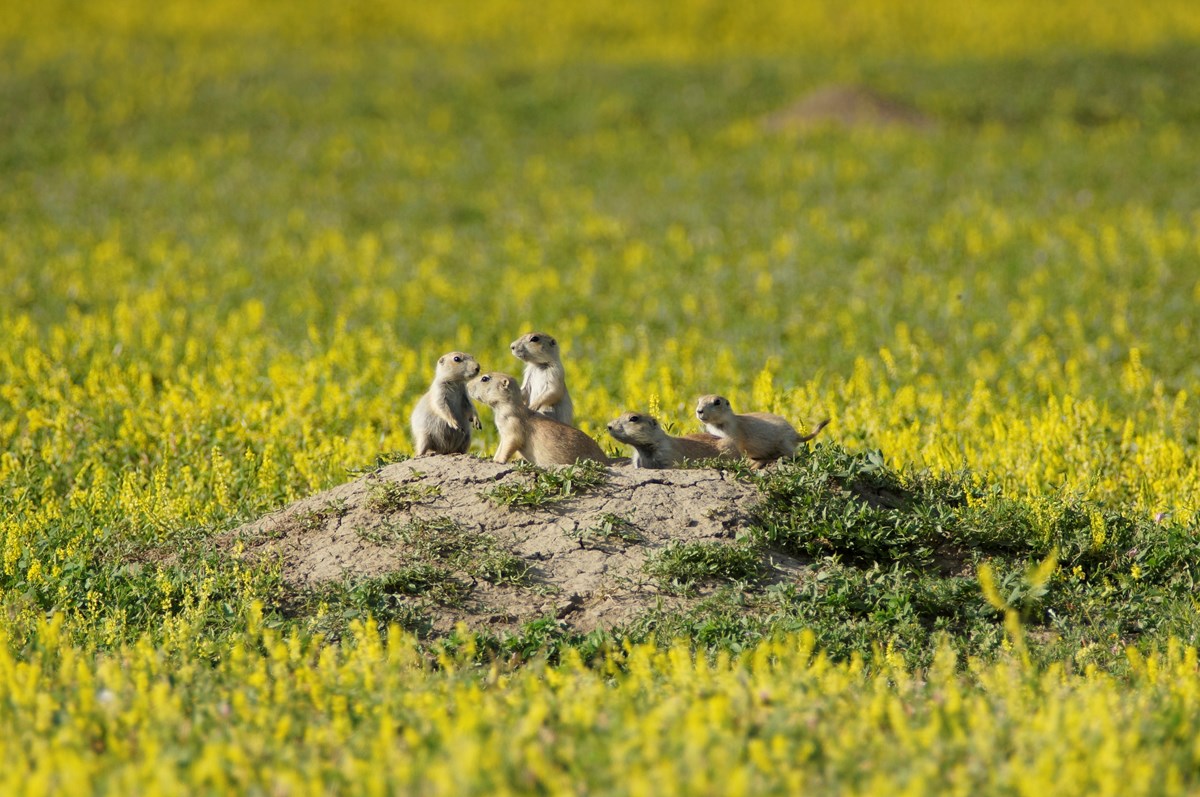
(426, 527)
(846, 106)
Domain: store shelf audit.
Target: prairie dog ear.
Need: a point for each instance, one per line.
(505, 382)
(441, 359)
(551, 341)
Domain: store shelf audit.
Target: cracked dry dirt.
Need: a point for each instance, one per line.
(584, 578)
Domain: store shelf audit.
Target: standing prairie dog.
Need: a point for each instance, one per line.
(540, 439)
(654, 448)
(442, 419)
(760, 436)
(544, 387)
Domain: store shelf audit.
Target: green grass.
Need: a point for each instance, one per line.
(540, 486)
(313, 519)
(610, 528)
(893, 558)
(680, 567)
(443, 541)
(382, 460)
(391, 497)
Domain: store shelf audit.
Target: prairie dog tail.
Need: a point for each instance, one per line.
(816, 431)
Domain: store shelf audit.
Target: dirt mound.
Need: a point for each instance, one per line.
(427, 530)
(846, 106)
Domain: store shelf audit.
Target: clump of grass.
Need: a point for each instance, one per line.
(417, 580)
(448, 543)
(498, 566)
(541, 486)
(610, 527)
(739, 468)
(402, 597)
(679, 567)
(382, 460)
(854, 506)
(399, 496)
(309, 519)
(437, 538)
(313, 519)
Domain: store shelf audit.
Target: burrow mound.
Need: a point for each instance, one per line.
(848, 107)
(428, 527)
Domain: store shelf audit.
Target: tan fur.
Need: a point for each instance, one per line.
(442, 420)
(760, 436)
(539, 439)
(654, 448)
(544, 386)
(727, 447)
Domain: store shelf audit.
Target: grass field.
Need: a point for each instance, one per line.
(234, 240)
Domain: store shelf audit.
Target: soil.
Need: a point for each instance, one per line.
(582, 564)
(846, 106)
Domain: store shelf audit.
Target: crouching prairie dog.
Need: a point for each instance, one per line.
(442, 420)
(540, 439)
(654, 448)
(544, 386)
(760, 436)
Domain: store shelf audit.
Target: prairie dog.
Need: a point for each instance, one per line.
(760, 436)
(540, 439)
(654, 448)
(442, 419)
(544, 386)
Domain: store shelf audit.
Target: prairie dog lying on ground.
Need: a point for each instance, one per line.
(654, 448)
(760, 436)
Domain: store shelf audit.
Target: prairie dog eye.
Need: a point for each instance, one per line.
(457, 359)
(534, 339)
(485, 379)
(634, 418)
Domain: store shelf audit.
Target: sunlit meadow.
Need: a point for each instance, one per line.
(234, 238)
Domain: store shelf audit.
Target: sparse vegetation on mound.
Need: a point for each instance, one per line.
(546, 485)
(498, 546)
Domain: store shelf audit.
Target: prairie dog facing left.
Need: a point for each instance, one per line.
(539, 439)
(761, 437)
(544, 386)
(654, 448)
(442, 420)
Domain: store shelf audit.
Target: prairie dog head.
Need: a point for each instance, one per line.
(495, 389)
(635, 429)
(713, 409)
(536, 348)
(456, 366)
